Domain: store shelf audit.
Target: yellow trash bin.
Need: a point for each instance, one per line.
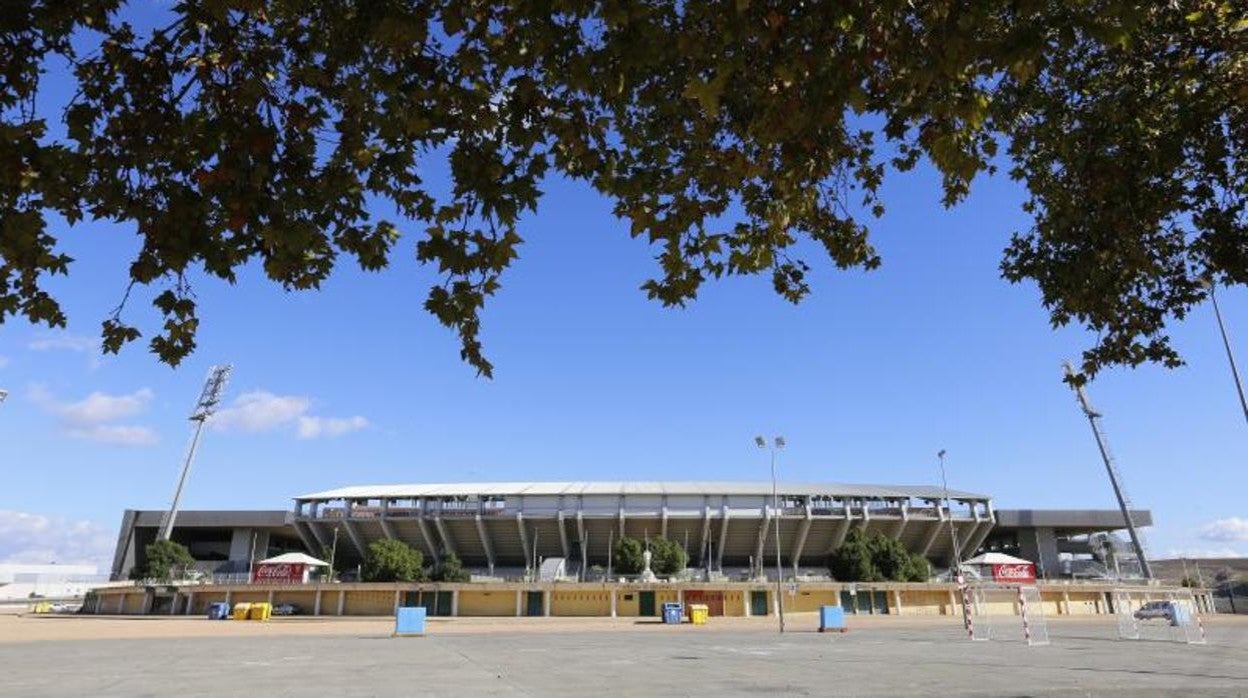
(698, 613)
(259, 611)
(240, 611)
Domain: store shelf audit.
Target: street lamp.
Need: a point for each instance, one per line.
(777, 444)
(3, 394)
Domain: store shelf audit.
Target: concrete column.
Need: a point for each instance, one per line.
(121, 603)
(396, 602)
(546, 603)
(454, 603)
(613, 610)
(173, 607)
(519, 603)
(270, 599)
(953, 602)
(342, 601)
(897, 600)
(190, 602)
(316, 605)
(680, 597)
(229, 595)
(1065, 602)
(745, 602)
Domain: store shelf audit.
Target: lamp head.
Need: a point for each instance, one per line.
(940, 453)
(779, 442)
(760, 442)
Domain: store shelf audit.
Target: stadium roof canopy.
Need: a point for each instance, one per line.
(691, 487)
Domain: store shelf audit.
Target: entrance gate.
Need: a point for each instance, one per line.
(758, 603)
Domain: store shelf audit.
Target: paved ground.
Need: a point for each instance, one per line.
(352, 657)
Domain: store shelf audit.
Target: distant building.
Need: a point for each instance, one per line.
(20, 582)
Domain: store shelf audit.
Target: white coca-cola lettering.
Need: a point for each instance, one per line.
(1014, 572)
(279, 572)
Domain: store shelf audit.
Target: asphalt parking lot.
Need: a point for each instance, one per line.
(922, 659)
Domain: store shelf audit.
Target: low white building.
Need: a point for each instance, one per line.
(18, 581)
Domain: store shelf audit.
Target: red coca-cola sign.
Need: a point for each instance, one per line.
(278, 573)
(1019, 572)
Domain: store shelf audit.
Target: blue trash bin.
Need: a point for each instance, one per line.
(409, 620)
(672, 613)
(831, 618)
(218, 610)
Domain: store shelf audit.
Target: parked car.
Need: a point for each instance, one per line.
(1156, 609)
(286, 609)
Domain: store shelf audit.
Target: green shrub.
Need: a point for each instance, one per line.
(451, 570)
(667, 557)
(878, 558)
(626, 557)
(165, 559)
(392, 561)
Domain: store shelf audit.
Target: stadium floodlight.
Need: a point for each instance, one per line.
(1230, 356)
(778, 443)
(3, 394)
(204, 408)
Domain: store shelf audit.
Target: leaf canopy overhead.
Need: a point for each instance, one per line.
(724, 133)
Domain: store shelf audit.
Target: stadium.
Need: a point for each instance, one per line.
(502, 530)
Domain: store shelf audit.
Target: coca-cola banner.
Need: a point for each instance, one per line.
(1020, 572)
(278, 573)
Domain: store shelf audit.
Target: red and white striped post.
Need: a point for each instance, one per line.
(967, 622)
(1022, 609)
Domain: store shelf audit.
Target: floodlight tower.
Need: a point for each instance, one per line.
(777, 443)
(209, 398)
(1115, 478)
(3, 394)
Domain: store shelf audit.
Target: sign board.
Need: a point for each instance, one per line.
(279, 573)
(1021, 572)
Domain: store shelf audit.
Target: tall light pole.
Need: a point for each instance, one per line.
(3, 394)
(1230, 357)
(209, 398)
(777, 444)
(953, 530)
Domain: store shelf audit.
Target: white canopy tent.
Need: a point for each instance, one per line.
(293, 559)
(996, 559)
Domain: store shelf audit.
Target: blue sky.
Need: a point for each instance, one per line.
(867, 379)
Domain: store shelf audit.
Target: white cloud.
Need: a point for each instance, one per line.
(261, 411)
(90, 346)
(1199, 553)
(313, 427)
(1229, 530)
(92, 417)
(116, 434)
(100, 407)
(38, 539)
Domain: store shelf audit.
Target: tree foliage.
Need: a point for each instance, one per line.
(626, 556)
(165, 560)
(450, 569)
(727, 135)
(667, 557)
(392, 561)
(876, 558)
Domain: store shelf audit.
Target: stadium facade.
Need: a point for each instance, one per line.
(506, 530)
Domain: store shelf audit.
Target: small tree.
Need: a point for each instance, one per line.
(852, 562)
(667, 557)
(626, 557)
(165, 558)
(451, 570)
(392, 561)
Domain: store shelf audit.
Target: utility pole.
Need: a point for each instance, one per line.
(1230, 357)
(209, 398)
(1124, 502)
